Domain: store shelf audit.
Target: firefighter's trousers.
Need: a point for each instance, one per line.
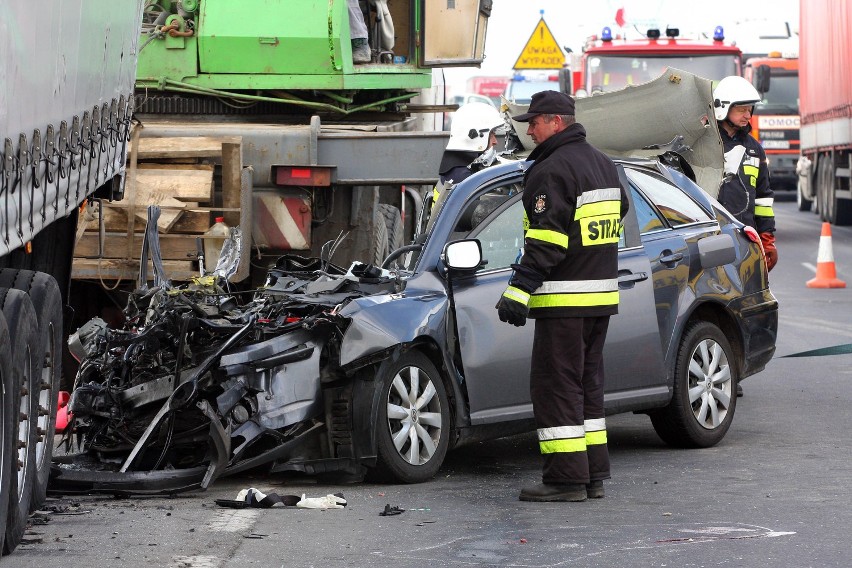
(567, 389)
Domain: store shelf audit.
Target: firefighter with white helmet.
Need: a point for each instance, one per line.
(746, 192)
(473, 138)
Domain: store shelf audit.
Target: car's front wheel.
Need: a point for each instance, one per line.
(413, 419)
(704, 393)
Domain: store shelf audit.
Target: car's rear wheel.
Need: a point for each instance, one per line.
(704, 394)
(413, 419)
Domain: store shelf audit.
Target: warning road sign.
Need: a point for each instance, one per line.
(541, 50)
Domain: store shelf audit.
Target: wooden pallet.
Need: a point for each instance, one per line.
(177, 174)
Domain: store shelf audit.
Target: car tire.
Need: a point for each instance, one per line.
(46, 298)
(704, 394)
(412, 400)
(8, 457)
(25, 367)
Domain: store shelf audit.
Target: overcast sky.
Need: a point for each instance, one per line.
(571, 21)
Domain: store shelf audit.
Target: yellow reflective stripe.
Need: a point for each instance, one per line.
(762, 211)
(601, 230)
(526, 222)
(574, 300)
(562, 446)
(552, 237)
(751, 172)
(596, 438)
(597, 209)
(517, 294)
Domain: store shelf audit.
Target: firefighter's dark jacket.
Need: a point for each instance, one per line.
(573, 206)
(748, 197)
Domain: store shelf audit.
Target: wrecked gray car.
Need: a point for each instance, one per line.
(372, 369)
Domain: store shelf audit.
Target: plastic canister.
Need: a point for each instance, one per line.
(214, 238)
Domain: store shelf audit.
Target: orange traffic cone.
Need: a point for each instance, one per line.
(826, 274)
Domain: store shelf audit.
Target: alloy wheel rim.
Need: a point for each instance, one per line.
(414, 415)
(709, 384)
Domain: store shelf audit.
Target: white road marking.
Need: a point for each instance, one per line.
(195, 562)
(229, 520)
(809, 266)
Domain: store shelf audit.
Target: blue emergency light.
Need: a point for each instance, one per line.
(719, 34)
(606, 34)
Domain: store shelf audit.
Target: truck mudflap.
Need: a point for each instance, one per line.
(198, 383)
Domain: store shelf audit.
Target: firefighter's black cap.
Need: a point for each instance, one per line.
(547, 102)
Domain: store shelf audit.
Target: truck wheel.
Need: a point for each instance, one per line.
(803, 203)
(7, 428)
(704, 395)
(25, 364)
(380, 239)
(47, 301)
(825, 187)
(393, 225)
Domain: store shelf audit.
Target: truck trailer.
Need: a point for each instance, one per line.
(825, 84)
(66, 92)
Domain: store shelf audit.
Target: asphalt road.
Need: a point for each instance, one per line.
(774, 493)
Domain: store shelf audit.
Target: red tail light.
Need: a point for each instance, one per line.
(751, 233)
(753, 236)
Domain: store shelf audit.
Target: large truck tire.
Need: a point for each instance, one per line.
(802, 202)
(7, 428)
(25, 367)
(393, 226)
(380, 239)
(46, 298)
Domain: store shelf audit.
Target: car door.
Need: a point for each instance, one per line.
(671, 225)
(495, 356)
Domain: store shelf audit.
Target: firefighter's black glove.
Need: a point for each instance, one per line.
(512, 307)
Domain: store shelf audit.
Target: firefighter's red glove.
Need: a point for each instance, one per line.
(768, 240)
(512, 307)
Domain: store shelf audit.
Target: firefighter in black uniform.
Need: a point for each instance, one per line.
(746, 193)
(567, 280)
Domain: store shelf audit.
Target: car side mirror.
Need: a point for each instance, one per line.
(716, 250)
(462, 256)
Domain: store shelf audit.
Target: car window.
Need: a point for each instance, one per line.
(502, 236)
(676, 206)
(648, 218)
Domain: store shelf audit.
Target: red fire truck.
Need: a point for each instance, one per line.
(611, 62)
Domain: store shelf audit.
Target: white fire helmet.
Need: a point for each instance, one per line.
(472, 125)
(733, 90)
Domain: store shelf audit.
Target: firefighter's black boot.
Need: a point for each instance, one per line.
(595, 490)
(554, 492)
